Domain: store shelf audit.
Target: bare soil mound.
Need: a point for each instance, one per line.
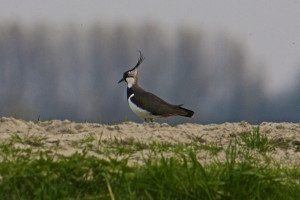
(64, 135)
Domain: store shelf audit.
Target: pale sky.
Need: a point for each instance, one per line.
(270, 29)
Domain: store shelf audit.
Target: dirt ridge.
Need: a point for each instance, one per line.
(64, 133)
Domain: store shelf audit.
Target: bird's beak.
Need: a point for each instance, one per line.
(121, 80)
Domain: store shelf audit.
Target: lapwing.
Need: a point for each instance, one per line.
(145, 104)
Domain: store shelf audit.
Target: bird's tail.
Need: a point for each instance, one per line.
(186, 112)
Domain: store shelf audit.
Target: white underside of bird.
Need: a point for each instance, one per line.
(144, 114)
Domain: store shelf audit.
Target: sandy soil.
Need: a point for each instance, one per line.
(65, 133)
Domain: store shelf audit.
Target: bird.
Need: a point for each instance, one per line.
(145, 104)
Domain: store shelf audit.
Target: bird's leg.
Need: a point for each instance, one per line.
(151, 120)
(145, 120)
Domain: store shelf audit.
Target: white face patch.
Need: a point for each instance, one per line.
(130, 81)
(144, 114)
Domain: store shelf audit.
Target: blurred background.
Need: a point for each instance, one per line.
(226, 60)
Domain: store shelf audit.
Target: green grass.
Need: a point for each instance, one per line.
(256, 140)
(30, 172)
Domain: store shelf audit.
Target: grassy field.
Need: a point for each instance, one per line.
(30, 170)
